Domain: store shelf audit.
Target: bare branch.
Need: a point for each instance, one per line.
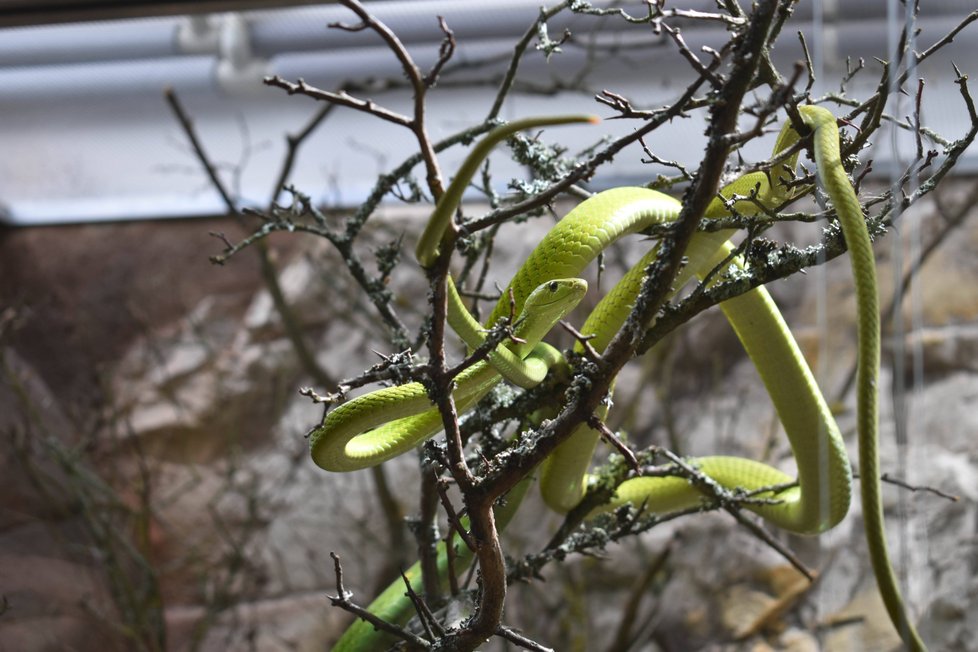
(522, 641)
(341, 98)
(445, 52)
(597, 424)
(268, 271)
(342, 599)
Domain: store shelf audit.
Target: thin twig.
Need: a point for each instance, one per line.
(431, 625)
(886, 477)
(519, 639)
(906, 485)
(623, 638)
(269, 274)
(342, 599)
(454, 521)
(445, 52)
(597, 424)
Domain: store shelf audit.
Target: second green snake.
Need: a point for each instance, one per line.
(388, 422)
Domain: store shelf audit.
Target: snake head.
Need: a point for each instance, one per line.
(551, 300)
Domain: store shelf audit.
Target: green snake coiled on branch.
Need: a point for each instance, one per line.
(388, 422)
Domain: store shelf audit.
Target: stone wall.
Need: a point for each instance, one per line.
(156, 490)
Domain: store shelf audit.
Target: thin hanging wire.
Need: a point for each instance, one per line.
(820, 44)
(909, 232)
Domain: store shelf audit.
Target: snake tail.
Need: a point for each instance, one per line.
(832, 177)
(427, 248)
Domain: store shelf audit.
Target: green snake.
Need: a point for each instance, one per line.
(388, 422)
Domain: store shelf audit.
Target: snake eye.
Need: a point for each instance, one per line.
(552, 286)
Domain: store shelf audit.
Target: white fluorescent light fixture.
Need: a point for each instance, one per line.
(86, 134)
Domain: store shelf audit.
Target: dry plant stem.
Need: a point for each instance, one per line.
(729, 503)
(690, 56)
(440, 390)
(374, 288)
(876, 103)
(426, 535)
(417, 125)
(654, 119)
(917, 487)
(716, 497)
(762, 534)
(389, 506)
(518, 49)
(341, 98)
(791, 260)
(452, 570)
(483, 533)
(914, 488)
(132, 580)
(393, 519)
(492, 581)
(431, 625)
(768, 73)
(445, 52)
(479, 496)
(483, 536)
(515, 637)
(342, 599)
(614, 441)
(269, 273)
(453, 519)
(419, 84)
(625, 633)
(563, 543)
(587, 168)
(292, 144)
